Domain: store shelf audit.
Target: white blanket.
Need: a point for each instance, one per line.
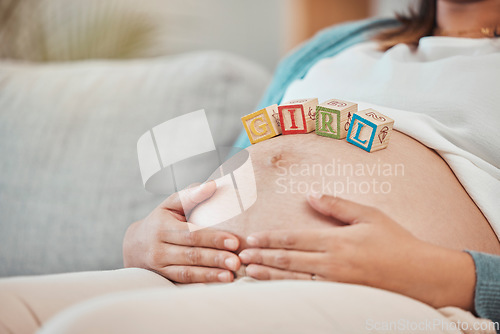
(444, 94)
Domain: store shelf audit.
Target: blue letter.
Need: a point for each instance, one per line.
(356, 137)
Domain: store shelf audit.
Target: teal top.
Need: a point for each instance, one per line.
(328, 43)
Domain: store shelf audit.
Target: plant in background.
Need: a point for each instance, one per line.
(61, 30)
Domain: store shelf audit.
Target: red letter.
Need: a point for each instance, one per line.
(292, 117)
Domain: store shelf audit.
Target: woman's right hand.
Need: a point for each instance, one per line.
(163, 243)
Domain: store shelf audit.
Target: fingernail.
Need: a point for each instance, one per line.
(252, 241)
(314, 195)
(231, 263)
(224, 277)
(250, 271)
(245, 257)
(231, 244)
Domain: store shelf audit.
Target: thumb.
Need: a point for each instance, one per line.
(184, 201)
(343, 210)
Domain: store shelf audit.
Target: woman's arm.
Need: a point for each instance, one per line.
(163, 243)
(370, 249)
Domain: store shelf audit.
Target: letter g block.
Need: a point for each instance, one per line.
(262, 124)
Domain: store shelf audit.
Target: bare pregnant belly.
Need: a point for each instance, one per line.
(407, 181)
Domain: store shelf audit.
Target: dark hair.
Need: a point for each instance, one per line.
(418, 22)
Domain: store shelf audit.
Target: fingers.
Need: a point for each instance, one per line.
(346, 211)
(178, 233)
(267, 273)
(307, 240)
(196, 256)
(185, 200)
(190, 274)
(288, 260)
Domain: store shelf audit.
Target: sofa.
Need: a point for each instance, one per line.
(70, 183)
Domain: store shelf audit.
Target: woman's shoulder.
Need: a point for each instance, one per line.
(326, 43)
(331, 40)
(364, 28)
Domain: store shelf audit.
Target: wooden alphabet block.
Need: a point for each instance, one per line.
(262, 124)
(370, 130)
(333, 118)
(298, 116)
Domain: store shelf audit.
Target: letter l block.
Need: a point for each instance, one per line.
(370, 130)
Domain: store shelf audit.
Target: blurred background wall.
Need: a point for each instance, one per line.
(260, 30)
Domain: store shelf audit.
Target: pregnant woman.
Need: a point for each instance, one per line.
(404, 239)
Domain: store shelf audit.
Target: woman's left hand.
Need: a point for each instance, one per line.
(371, 249)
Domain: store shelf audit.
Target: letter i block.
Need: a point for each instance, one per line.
(298, 116)
(262, 124)
(333, 118)
(370, 130)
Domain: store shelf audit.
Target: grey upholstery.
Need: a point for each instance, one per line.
(70, 183)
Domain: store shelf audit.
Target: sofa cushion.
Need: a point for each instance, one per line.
(70, 183)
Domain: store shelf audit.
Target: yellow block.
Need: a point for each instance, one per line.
(262, 125)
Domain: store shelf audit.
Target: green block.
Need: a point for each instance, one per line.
(324, 120)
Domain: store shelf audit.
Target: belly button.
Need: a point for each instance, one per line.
(273, 161)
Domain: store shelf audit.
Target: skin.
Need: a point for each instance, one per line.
(426, 198)
(380, 248)
(454, 16)
(163, 243)
(367, 250)
(356, 243)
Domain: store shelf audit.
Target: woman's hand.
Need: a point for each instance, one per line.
(371, 249)
(163, 243)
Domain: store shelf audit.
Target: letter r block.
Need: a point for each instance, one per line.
(370, 130)
(262, 124)
(333, 118)
(298, 116)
